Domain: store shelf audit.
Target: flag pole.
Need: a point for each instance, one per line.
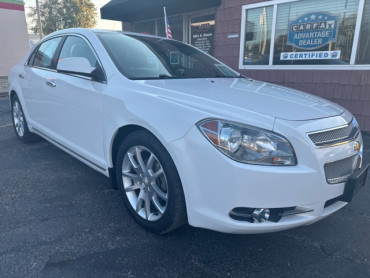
(165, 21)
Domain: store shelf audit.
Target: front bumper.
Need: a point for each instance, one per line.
(214, 184)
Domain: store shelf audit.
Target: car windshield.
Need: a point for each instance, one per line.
(143, 57)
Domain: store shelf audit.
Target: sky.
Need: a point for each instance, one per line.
(101, 23)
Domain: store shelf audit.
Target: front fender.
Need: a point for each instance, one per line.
(167, 120)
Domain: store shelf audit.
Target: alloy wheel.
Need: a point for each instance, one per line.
(18, 118)
(145, 183)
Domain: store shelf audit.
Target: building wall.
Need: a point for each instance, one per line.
(351, 89)
(13, 38)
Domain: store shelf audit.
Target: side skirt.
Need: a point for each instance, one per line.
(93, 165)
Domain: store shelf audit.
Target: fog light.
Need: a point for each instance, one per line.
(261, 215)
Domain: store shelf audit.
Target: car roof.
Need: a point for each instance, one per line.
(86, 31)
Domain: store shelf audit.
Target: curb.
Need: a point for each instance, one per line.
(3, 94)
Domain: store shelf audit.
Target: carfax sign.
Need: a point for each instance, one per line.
(313, 30)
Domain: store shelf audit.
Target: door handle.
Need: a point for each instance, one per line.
(21, 75)
(51, 84)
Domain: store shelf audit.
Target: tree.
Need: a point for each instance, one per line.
(59, 14)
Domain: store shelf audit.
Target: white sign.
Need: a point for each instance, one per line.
(311, 55)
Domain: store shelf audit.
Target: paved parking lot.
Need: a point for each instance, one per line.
(59, 218)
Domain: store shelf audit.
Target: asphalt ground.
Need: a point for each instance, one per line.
(59, 218)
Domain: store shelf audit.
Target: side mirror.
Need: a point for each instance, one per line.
(80, 66)
(76, 65)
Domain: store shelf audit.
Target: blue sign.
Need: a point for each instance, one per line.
(313, 30)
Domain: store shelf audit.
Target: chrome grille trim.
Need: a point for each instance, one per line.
(339, 171)
(335, 136)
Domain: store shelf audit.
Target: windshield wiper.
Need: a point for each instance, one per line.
(165, 76)
(161, 76)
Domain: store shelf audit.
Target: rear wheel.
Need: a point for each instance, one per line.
(20, 122)
(149, 183)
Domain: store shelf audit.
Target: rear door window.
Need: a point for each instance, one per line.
(45, 53)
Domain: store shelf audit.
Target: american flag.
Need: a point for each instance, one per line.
(168, 28)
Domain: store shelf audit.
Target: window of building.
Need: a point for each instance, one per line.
(198, 28)
(363, 51)
(306, 34)
(176, 24)
(145, 27)
(202, 30)
(258, 27)
(157, 27)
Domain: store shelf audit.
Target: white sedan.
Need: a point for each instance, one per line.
(184, 137)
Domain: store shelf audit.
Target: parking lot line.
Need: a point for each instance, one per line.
(5, 125)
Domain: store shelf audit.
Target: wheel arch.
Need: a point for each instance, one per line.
(120, 135)
(12, 94)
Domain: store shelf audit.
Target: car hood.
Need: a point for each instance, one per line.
(247, 94)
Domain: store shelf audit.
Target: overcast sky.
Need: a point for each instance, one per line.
(102, 24)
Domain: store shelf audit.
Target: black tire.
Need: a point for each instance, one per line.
(26, 136)
(174, 214)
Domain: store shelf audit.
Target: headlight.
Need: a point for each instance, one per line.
(248, 144)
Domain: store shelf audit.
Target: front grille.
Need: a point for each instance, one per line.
(339, 171)
(335, 136)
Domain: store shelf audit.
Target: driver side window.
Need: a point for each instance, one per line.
(77, 47)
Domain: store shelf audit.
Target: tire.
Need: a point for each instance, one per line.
(20, 123)
(149, 183)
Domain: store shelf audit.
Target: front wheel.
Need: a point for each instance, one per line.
(149, 183)
(20, 122)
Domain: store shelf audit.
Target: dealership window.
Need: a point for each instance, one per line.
(202, 29)
(176, 24)
(306, 34)
(258, 27)
(145, 27)
(197, 28)
(157, 27)
(363, 51)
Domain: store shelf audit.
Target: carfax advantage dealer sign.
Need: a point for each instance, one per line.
(312, 31)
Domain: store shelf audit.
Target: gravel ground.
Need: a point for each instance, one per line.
(3, 86)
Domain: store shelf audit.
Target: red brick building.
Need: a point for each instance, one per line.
(320, 47)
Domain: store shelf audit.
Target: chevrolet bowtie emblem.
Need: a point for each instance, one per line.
(357, 146)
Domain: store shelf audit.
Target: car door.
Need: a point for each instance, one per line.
(33, 81)
(76, 105)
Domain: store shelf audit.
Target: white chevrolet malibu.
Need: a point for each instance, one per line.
(184, 137)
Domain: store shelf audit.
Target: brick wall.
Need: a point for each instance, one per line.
(351, 89)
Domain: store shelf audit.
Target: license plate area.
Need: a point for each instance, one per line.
(354, 184)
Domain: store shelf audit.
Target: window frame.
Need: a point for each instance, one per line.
(57, 54)
(59, 51)
(270, 66)
(37, 47)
